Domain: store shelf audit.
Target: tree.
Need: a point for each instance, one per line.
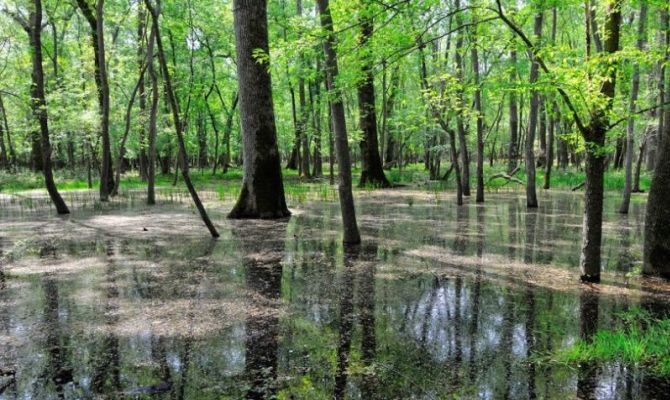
(351, 234)
(262, 194)
(593, 132)
(533, 116)
(96, 22)
(373, 171)
(174, 106)
(632, 108)
(33, 27)
(657, 222)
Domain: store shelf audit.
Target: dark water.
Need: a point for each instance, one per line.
(131, 302)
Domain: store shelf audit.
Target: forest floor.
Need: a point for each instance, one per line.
(124, 300)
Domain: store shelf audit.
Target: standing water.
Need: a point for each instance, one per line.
(124, 301)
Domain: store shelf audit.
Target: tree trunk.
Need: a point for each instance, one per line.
(657, 224)
(594, 136)
(315, 103)
(153, 117)
(96, 22)
(177, 121)
(141, 56)
(553, 118)
(458, 58)
(39, 106)
(513, 151)
(373, 172)
(632, 108)
(533, 115)
(262, 194)
(228, 131)
(480, 117)
(351, 234)
(12, 154)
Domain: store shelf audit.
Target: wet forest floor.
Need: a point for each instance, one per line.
(482, 301)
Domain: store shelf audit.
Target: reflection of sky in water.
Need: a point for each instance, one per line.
(452, 315)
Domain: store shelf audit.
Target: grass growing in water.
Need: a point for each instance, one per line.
(640, 339)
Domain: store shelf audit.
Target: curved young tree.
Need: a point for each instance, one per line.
(262, 194)
(351, 234)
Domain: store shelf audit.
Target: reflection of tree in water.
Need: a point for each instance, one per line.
(106, 362)
(588, 324)
(264, 252)
(366, 304)
(346, 322)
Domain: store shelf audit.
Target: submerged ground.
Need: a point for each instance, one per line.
(121, 300)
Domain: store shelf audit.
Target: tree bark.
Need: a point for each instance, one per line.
(480, 116)
(351, 234)
(141, 56)
(460, 123)
(96, 22)
(372, 172)
(553, 117)
(533, 116)
(594, 136)
(657, 224)
(632, 108)
(262, 194)
(513, 150)
(153, 117)
(174, 105)
(39, 106)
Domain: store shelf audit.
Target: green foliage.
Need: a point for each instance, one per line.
(638, 339)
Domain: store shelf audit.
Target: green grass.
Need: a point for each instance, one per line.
(638, 340)
(411, 175)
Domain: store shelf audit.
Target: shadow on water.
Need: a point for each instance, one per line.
(439, 302)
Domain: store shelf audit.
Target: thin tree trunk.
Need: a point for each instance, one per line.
(351, 234)
(632, 108)
(531, 193)
(480, 116)
(262, 194)
(513, 152)
(177, 121)
(12, 154)
(465, 157)
(553, 118)
(153, 118)
(141, 56)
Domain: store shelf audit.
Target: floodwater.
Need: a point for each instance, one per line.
(125, 301)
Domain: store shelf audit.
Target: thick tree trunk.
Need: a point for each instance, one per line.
(373, 171)
(513, 151)
(262, 193)
(177, 121)
(657, 224)
(593, 208)
(533, 116)
(351, 234)
(594, 136)
(632, 108)
(39, 106)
